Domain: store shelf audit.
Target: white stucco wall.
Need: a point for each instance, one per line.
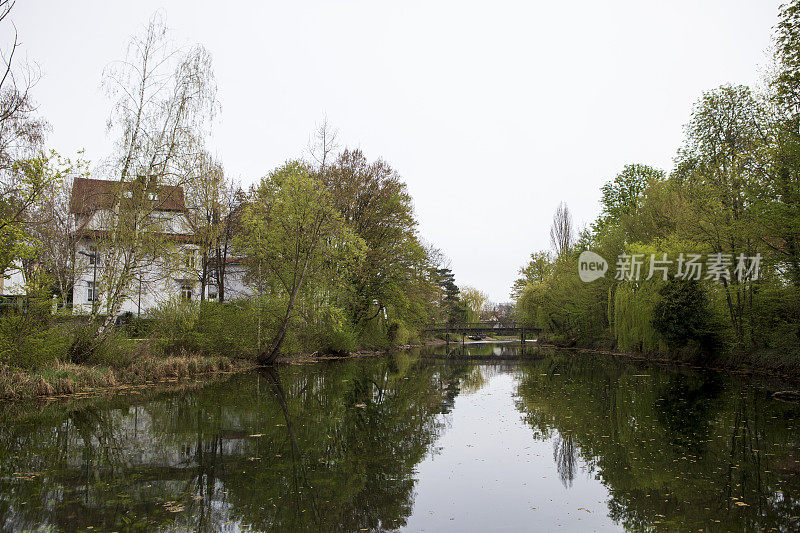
(12, 282)
(159, 284)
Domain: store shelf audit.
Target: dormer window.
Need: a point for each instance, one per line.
(152, 196)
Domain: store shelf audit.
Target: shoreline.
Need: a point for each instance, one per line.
(67, 380)
(719, 366)
(70, 381)
(73, 381)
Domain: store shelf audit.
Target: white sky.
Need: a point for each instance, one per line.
(492, 112)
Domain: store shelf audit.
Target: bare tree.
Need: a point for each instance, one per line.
(562, 234)
(203, 194)
(51, 227)
(213, 203)
(165, 99)
(21, 132)
(323, 144)
(228, 222)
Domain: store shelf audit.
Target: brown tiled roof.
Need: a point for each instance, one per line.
(177, 237)
(88, 195)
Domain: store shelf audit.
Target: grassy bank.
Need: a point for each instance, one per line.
(60, 378)
(43, 355)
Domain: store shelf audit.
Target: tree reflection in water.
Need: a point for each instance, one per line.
(334, 446)
(676, 449)
(322, 447)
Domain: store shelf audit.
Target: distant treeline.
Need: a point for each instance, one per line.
(733, 199)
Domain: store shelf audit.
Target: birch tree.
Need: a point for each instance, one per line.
(164, 100)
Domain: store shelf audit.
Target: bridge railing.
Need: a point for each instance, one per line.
(474, 326)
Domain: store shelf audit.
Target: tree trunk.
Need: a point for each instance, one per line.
(268, 358)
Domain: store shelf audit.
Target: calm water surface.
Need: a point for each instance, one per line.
(556, 441)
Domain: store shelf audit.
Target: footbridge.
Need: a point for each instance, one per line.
(485, 328)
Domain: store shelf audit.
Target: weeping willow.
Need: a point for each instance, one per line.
(633, 315)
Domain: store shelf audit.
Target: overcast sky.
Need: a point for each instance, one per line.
(493, 112)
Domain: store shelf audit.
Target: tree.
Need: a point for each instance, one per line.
(475, 302)
(536, 271)
(21, 138)
(290, 231)
(625, 194)
(396, 273)
(681, 314)
(323, 144)
(228, 222)
(561, 231)
(164, 99)
(212, 202)
(721, 158)
(51, 227)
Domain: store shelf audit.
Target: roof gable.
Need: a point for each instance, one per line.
(89, 195)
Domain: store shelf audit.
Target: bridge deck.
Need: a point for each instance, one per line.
(482, 327)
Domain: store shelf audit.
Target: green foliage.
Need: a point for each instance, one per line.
(27, 338)
(625, 194)
(475, 301)
(682, 315)
(735, 189)
(633, 318)
(30, 348)
(537, 270)
(22, 185)
(395, 274)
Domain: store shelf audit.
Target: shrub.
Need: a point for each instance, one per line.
(174, 326)
(27, 339)
(30, 346)
(682, 318)
(341, 341)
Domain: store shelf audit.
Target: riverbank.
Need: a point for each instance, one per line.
(61, 380)
(68, 379)
(758, 363)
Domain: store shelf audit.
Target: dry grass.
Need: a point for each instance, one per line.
(62, 379)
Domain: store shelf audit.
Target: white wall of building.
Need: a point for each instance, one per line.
(159, 284)
(12, 281)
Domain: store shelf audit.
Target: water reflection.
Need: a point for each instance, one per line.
(348, 445)
(485, 350)
(679, 450)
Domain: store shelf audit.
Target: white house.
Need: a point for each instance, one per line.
(12, 281)
(95, 201)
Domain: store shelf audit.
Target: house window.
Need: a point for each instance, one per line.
(152, 196)
(186, 292)
(212, 292)
(189, 259)
(90, 293)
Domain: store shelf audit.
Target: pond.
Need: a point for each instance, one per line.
(414, 441)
